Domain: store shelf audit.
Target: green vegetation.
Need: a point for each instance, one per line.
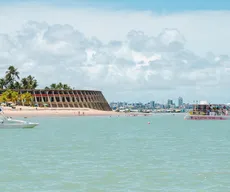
(12, 83)
(59, 86)
(27, 98)
(10, 96)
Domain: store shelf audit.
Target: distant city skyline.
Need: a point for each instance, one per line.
(175, 100)
(130, 50)
(178, 102)
(152, 106)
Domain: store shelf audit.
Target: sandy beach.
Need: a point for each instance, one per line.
(22, 111)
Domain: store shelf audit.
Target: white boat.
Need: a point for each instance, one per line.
(7, 123)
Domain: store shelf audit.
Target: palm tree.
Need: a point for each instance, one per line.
(59, 85)
(29, 82)
(3, 99)
(4, 96)
(66, 87)
(10, 96)
(53, 86)
(11, 75)
(2, 83)
(17, 85)
(32, 82)
(14, 96)
(27, 98)
(24, 83)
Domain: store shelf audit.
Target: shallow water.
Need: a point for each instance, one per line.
(116, 154)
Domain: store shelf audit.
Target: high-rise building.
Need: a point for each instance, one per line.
(152, 104)
(170, 103)
(180, 101)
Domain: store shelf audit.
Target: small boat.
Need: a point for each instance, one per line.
(206, 111)
(8, 122)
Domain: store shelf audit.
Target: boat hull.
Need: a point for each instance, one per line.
(206, 117)
(30, 125)
(18, 126)
(9, 123)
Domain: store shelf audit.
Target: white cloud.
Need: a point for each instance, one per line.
(208, 28)
(119, 51)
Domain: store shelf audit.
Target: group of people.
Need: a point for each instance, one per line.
(210, 110)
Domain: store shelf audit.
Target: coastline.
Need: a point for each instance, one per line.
(22, 111)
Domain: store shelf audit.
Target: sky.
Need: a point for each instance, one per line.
(134, 51)
(153, 5)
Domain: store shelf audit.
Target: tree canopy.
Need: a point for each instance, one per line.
(12, 80)
(12, 83)
(14, 97)
(59, 86)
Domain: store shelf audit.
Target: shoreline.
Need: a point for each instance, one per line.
(62, 112)
(26, 112)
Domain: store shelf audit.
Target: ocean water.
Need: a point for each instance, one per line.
(116, 154)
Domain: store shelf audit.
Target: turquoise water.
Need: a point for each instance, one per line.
(117, 154)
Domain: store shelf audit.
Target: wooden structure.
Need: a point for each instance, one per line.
(67, 98)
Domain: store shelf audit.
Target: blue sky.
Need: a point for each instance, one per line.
(169, 5)
(153, 5)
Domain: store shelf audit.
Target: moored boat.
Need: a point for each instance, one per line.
(8, 122)
(205, 111)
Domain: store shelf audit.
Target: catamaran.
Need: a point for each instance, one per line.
(8, 122)
(206, 111)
